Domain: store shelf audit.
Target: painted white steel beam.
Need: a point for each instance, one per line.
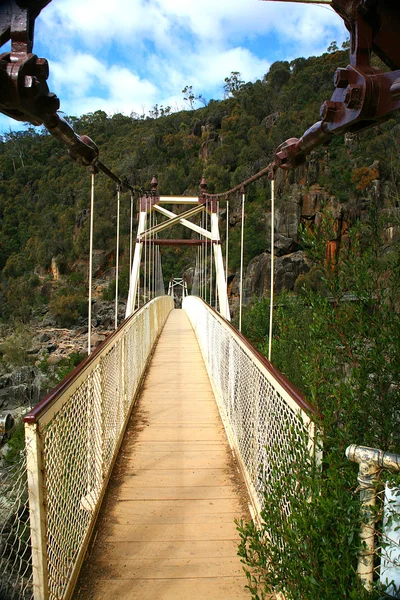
(219, 269)
(135, 272)
(173, 221)
(183, 221)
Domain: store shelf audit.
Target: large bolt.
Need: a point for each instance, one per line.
(395, 90)
(42, 68)
(353, 96)
(327, 111)
(341, 78)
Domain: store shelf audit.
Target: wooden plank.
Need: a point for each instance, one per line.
(227, 588)
(183, 551)
(176, 478)
(168, 568)
(177, 493)
(170, 532)
(180, 511)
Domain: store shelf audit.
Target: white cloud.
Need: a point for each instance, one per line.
(91, 85)
(163, 21)
(127, 55)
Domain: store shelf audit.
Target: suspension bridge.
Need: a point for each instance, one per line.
(136, 466)
(140, 461)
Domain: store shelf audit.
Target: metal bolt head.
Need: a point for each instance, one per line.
(328, 111)
(353, 96)
(341, 78)
(42, 68)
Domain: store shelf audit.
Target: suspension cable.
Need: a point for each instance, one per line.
(201, 259)
(227, 250)
(90, 262)
(117, 260)
(211, 272)
(153, 262)
(271, 308)
(131, 240)
(216, 283)
(266, 171)
(149, 255)
(206, 258)
(145, 261)
(138, 291)
(241, 263)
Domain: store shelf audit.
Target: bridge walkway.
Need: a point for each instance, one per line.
(166, 529)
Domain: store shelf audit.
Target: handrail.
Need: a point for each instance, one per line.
(72, 440)
(258, 405)
(34, 415)
(287, 385)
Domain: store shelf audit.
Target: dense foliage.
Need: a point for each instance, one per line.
(44, 196)
(338, 341)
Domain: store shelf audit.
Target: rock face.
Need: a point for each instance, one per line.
(300, 201)
(257, 279)
(20, 388)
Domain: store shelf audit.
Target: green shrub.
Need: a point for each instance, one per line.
(340, 348)
(68, 306)
(14, 349)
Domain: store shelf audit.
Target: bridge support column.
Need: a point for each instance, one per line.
(219, 269)
(135, 272)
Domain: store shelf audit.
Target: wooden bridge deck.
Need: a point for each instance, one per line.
(166, 529)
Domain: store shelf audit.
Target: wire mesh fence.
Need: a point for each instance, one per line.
(77, 434)
(257, 407)
(15, 541)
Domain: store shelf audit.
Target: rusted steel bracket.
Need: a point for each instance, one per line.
(24, 93)
(364, 95)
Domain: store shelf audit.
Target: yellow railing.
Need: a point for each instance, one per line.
(73, 438)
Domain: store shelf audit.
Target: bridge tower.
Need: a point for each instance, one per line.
(153, 203)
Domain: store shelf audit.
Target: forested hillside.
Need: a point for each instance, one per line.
(44, 196)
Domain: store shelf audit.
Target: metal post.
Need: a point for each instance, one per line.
(131, 240)
(219, 269)
(211, 274)
(227, 249)
(206, 258)
(368, 476)
(117, 261)
(90, 264)
(271, 307)
(135, 278)
(145, 264)
(37, 511)
(241, 262)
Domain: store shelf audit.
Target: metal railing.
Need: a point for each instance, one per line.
(379, 555)
(258, 405)
(73, 438)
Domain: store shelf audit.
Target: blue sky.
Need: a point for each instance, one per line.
(128, 55)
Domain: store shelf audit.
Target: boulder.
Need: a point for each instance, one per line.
(258, 274)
